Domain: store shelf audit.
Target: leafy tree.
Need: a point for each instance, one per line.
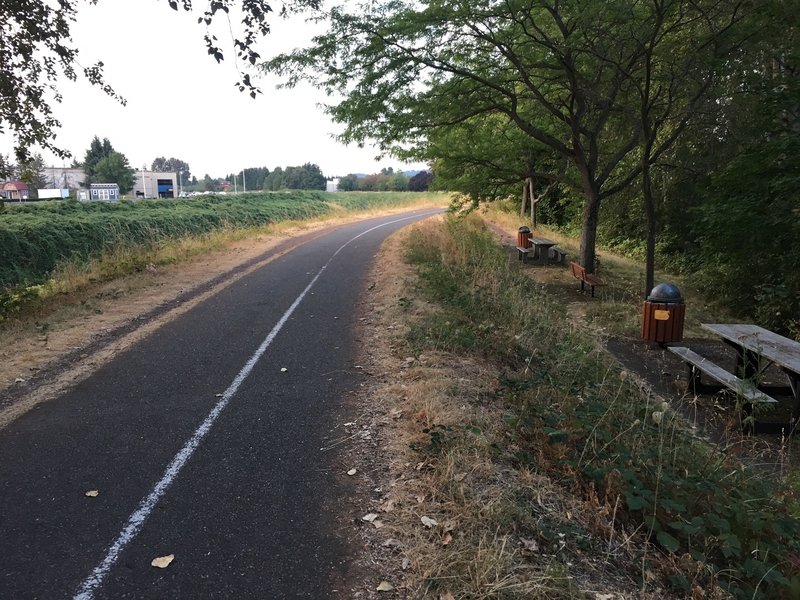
(398, 182)
(307, 177)
(274, 181)
(556, 70)
(348, 183)
(487, 157)
(421, 182)
(97, 151)
(8, 170)
(749, 224)
(209, 184)
(114, 168)
(172, 165)
(36, 48)
(375, 182)
(252, 177)
(31, 171)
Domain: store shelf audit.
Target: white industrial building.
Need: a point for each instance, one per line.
(146, 184)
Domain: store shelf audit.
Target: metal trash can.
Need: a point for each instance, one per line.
(664, 313)
(523, 237)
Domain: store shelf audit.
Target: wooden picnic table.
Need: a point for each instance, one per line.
(757, 348)
(541, 248)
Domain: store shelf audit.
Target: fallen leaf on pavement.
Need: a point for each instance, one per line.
(92, 493)
(385, 586)
(447, 539)
(369, 518)
(162, 562)
(405, 564)
(284, 369)
(352, 472)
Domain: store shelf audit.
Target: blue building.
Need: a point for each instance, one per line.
(104, 191)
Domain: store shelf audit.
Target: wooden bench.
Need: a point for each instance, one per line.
(697, 364)
(522, 253)
(586, 278)
(558, 255)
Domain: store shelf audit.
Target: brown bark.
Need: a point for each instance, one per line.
(523, 208)
(650, 211)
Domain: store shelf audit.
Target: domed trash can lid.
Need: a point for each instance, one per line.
(524, 229)
(666, 293)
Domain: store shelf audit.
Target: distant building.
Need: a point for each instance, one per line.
(332, 185)
(14, 190)
(146, 184)
(52, 193)
(108, 192)
(57, 177)
(155, 184)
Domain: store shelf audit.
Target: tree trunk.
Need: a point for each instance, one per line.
(523, 208)
(591, 216)
(650, 211)
(534, 200)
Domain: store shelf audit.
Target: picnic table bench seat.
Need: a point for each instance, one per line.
(585, 278)
(557, 254)
(742, 387)
(522, 253)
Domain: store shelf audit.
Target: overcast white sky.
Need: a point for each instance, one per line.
(182, 103)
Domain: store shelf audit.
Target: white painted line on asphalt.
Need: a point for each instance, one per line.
(137, 519)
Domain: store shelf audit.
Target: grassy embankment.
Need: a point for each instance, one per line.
(549, 463)
(53, 247)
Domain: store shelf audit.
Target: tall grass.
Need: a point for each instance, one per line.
(575, 416)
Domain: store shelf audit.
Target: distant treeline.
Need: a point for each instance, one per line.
(388, 180)
(310, 177)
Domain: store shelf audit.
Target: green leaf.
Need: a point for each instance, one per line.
(668, 542)
(634, 501)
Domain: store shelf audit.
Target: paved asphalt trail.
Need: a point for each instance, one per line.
(252, 511)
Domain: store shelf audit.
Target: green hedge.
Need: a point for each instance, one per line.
(36, 238)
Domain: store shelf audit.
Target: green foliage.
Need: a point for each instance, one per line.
(597, 432)
(97, 151)
(307, 177)
(35, 239)
(748, 226)
(114, 168)
(175, 165)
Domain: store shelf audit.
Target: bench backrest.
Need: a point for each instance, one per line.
(577, 270)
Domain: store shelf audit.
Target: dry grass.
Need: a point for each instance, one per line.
(621, 307)
(471, 507)
(442, 438)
